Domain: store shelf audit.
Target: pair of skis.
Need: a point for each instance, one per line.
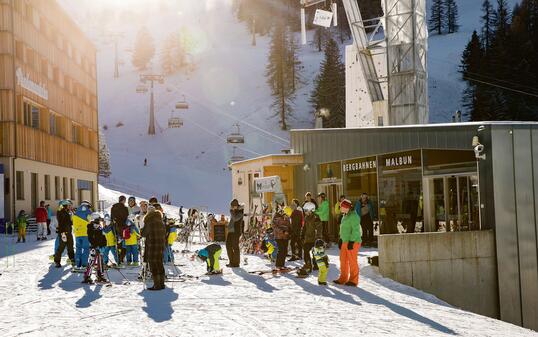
(274, 271)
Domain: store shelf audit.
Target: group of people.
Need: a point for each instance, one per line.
(43, 217)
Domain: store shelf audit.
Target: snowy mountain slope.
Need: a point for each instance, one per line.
(444, 55)
(227, 86)
(40, 300)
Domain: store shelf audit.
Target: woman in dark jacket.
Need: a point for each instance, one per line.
(295, 232)
(235, 229)
(281, 227)
(154, 233)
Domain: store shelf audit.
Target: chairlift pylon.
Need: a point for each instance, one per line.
(235, 158)
(236, 137)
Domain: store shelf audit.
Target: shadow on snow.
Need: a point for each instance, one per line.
(159, 304)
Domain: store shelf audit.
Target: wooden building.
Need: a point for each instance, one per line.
(48, 107)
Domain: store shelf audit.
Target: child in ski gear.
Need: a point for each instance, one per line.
(108, 231)
(311, 231)
(132, 233)
(65, 232)
(235, 230)
(80, 220)
(269, 245)
(22, 222)
(210, 255)
(281, 227)
(171, 238)
(322, 261)
(97, 242)
(41, 216)
(349, 244)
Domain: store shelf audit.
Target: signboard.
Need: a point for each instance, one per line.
(362, 165)
(24, 81)
(323, 18)
(267, 184)
(400, 160)
(2, 195)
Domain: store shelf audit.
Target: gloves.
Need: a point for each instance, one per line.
(64, 237)
(350, 245)
(340, 244)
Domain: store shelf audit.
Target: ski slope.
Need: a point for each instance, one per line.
(40, 300)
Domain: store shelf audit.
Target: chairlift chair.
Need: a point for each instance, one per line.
(141, 89)
(236, 137)
(175, 122)
(182, 104)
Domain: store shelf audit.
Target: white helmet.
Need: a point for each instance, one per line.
(96, 216)
(309, 207)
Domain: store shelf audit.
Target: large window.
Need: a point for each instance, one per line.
(20, 185)
(57, 188)
(66, 187)
(360, 176)
(73, 189)
(76, 135)
(47, 187)
(400, 192)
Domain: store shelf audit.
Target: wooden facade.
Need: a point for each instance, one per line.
(48, 50)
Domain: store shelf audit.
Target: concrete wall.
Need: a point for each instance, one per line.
(457, 267)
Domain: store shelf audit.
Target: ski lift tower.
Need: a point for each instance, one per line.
(406, 38)
(151, 78)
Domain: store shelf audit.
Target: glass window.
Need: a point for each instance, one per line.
(53, 127)
(448, 161)
(400, 192)
(66, 186)
(20, 185)
(330, 172)
(35, 117)
(57, 193)
(360, 176)
(73, 189)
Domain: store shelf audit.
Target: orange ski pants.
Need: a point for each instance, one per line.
(349, 265)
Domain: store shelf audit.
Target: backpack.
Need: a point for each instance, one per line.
(127, 233)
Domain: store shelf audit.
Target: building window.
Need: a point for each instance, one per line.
(76, 134)
(53, 124)
(35, 19)
(20, 185)
(47, 187)
(73, 189)
(66, 186)
(31, 115)
(57, 193)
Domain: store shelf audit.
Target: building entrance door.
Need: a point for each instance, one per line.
(452, 202)
(34, 193)
(333, 193)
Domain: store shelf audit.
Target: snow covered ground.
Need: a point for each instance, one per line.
(40, 300)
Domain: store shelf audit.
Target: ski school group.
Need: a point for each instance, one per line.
(135, 233)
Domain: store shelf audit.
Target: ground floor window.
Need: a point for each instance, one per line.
(47, 187)
(65, 186)
(57, 193)
(20, 185)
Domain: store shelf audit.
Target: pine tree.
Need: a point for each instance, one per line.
(488, 24)
(451, 9)
(104, 157)
(144, 49)
(278, 75)
(329, 88)
(294, 64)
(321, 36)
(470, 68)
(437, 17)
(501, 18)
(167, 55)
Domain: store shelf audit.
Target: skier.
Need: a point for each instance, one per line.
(323, 212)
(133, 207)
(281, 227)
(65, 232)
(80, 227)
(269, 245)
(145, 161)
(349, 244)
(119, 213)
(295, 232)
(235, 229)
(22, 222)
(210, 255)
(97, 242)
(108, 231)
(322, 261)
(312, 230)
(41, 215)
(154, 234)
(308, 198)
(171, 235)
(132, 233)
(180, 214)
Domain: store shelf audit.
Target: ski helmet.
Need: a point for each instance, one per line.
(234, 202)
(96, 216)
(319, 243)
(288, 210)
(64, 203)
(309, 207)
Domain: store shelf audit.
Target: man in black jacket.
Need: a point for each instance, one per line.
(65, 232)
(119, 213)
(235, 229)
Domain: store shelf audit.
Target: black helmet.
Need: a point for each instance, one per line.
(319, 243)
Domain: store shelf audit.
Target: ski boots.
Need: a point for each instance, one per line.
(87, 280)
(57, 265)
(302, 273)
(135, 264)
(214, 272)
(322, 283)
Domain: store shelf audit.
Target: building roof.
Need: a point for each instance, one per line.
(274, 159)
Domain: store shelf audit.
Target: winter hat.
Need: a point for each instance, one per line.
(345, 204)
(153, 200)
(234, 202)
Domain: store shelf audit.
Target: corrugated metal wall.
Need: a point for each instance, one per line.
(515, 173)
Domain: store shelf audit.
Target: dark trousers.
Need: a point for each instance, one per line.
(62, 246)
(48, 226)
(157, 273)
(325, 231)
(367, 226)
(296, 246)
(307, 248)
(232, 249)
(282, 252)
